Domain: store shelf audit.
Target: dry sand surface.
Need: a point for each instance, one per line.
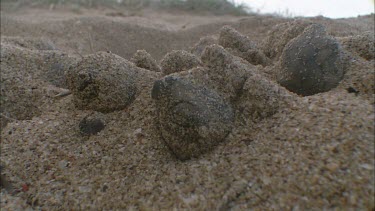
(89, 130)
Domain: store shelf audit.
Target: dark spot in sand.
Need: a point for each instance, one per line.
(104, 188)
(352, 90)
(91, 126)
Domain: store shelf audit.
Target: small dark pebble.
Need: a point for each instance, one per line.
(247, 141)
(91, 126)
(104, 188)
(352, 90)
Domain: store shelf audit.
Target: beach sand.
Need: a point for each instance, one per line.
(312, 152)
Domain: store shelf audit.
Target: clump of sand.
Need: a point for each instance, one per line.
(282, 151)
(144, 60)
(177, 61)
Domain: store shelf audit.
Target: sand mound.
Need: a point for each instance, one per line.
(247, 142)
(30, 43)
(363, 45)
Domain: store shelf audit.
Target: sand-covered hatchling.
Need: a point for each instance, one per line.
(362, 45)
(26, 79)
(311, 63)
(144, 60)
(203, 42)
(177, 61)
(191, 118)
(227, 73)
(240, 45)
(261, 98)
(231, 38)
(251, 93)
(280, 35)
(195, 108)
(102, 82)
(55, 65)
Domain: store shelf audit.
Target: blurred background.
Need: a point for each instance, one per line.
(288, 8)
(308, 8)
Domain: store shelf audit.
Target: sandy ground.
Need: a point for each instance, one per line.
(317, 152)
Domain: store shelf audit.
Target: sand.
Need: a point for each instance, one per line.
(313, 152)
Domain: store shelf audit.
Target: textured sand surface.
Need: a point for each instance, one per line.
(284, 151)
